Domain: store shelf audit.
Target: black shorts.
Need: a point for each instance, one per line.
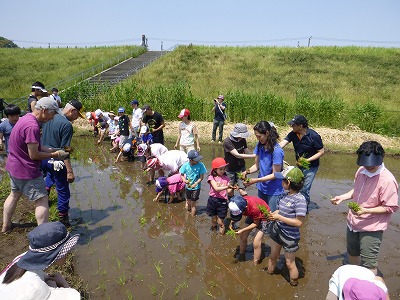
(192, 195)
(217, 207)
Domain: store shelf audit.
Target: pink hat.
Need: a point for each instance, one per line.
(354, 289)
(221, 97)
(153, 163)
(184, 113)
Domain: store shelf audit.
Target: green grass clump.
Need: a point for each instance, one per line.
(354, 206)
(263, 210)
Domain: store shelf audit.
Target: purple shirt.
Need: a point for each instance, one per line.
(19, 164)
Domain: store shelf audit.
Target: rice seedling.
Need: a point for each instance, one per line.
(142, 221)
(209, 294)
(158, 268)
(153, 290)
(138, 276)
(179, 287)
(122, 279)
(119, 264)
(131, 260)
(302, 162)
(129, 294)
(354, 206)
(101, 287)
(242, 177)
(263, 210)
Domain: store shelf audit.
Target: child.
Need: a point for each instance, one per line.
(114, 134)
(217, 204)
(285, 232)
(187, 133)
(252, 207)
(12, 113)
(192, 173)
(172, 185)
(145, 135)
(127, 150)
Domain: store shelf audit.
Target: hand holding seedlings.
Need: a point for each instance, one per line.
(243, 177)
(302, 162)
(354, 206)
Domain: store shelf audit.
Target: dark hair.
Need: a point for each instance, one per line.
(12, 110)
(272, 138)
(215, 174)
(295, 186)
(371, 147)
(37, 83)
(13, 273)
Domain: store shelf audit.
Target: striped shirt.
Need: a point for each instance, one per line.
(291, 206)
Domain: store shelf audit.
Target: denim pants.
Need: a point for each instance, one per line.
(272, 200)
(220, 125)
(309, 176)
(59, 178)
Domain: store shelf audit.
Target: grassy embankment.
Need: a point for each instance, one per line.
(334, 87)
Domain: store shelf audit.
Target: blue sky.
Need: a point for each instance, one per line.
(219, 22)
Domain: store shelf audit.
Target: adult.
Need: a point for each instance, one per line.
(356, 282)
(236, 151)
(37, 90)
(57, 133)
(24, 160)
(12, 113)
(219, 118)
(169, 162)
(25, 278)
(268, 160)
(55, 96)
(137, 115)
(187, 133)
(155, 122)
(376, 194)
(308, 144)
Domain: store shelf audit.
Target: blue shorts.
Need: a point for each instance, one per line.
(33, 189)
(217, 207)
(289, 244)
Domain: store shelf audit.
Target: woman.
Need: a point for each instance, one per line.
(376, 193)
(25, 278)
(269, 159)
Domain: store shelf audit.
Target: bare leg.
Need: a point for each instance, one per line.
(273, 258)
(291, 265)
(243, 241)
(257, 247)
(9, 208)
(221, 225)
(193, 208)
(42, 210)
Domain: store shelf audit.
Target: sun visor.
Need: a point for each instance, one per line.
(371, 160)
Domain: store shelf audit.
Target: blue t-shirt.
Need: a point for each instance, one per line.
(309, 144)
(5, 129)
(291, 206)
(266, 161)
(193, 173)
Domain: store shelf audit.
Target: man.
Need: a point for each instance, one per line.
(308, 144)
(155, 122)
(136, 117)
(24, 159)
(57, 133)
(37, 90)
(219, 117)
(56, 96)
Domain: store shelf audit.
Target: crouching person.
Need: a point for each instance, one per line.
(172, 186)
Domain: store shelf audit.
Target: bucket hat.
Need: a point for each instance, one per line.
(240, 130)
(237, 205)
(47, 243)
(291, 173)
(141, 149)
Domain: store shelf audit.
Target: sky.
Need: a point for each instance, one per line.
(80, 23)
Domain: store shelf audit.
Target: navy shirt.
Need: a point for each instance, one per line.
(220, 114)
(309, 145)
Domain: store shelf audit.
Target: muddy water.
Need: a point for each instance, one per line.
(134, 248)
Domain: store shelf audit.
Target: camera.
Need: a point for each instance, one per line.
(215, 100)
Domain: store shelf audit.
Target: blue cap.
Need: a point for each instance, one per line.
(134, 101)
(121, 109)
(237, 205)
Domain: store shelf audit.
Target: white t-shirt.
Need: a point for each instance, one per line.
(172, 160)
(343, 273)
(157, 149)
(57, 98)
(187, 134)
(136, 117)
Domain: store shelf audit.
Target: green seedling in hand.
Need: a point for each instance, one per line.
(264, 210)
(242, 177)
(354, 206)
(231, 233)
(302, 162)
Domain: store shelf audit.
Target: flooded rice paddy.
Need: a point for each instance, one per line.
(134, 248)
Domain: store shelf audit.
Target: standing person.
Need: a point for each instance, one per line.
(123, 124)
(24, 159)
(308, 144)
(252, 207)
(192, 173)
(12, 113)
(25, 278)
(269, 159)
(376, 194)
(37, 91)
(236, 151)
(219, 118)
(55, 96)
(137, 115)
(285, 231)
(57, 133)
(217, 204)
(155, 122)
(187, 133)
(356, 282)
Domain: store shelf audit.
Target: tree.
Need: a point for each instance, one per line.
(5, 43)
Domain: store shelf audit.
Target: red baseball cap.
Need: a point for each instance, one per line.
(184, 113)
(218, 162)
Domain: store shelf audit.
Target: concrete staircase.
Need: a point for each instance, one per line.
(125, 69)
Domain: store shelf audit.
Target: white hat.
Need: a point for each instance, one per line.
(98, 112)
(126, 147)
(88, 115)
(143, 129)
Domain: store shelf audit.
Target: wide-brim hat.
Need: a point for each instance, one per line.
(240, 130)
(47, 243)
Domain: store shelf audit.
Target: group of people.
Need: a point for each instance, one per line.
(278, 210)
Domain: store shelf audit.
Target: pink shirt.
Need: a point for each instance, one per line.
(19, 164)
(221, 181)
(369, 192)
(175, 183)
